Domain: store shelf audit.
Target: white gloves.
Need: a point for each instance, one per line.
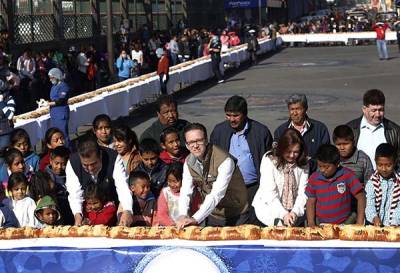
(42, 103)
(164, 78)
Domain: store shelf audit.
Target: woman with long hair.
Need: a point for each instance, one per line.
(127, 146)
(281, 198)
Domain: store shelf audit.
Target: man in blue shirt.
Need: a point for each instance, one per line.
(245, 139)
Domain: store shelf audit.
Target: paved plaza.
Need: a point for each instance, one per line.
(333, 78)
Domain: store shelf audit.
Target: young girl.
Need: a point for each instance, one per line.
(20, 140)
(167, 204)
(22, 205)
(14, 163)
(54, 138)
(102, 130)
(127, 146)
(96, 209)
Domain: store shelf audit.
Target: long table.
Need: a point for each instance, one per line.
(343, 37)
(118, 102)
(100, 255)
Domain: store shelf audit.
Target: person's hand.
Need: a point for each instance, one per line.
(289, 219)
(164, 78)
(377, 221)
(126, 219)
(184, 221)
(78, 219)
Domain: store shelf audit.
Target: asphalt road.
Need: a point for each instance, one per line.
(333, 78)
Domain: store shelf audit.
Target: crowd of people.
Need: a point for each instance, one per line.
(176, 174)
(85, 68)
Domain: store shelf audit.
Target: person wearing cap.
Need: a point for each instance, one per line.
(47, 212)
(163, 69)
(214, 48)
(252, 46)
(380, 29)
(59, 109)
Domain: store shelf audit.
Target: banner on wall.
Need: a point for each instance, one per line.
(199, 259)
(234, 4)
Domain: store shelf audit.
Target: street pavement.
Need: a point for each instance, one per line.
(333, 78)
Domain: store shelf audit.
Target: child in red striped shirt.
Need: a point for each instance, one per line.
(329, 191)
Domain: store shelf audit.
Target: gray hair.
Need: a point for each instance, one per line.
(298, 98)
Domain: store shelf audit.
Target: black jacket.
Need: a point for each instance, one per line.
(392, 132)
(315, 136)
(258, 137)
(155, 130)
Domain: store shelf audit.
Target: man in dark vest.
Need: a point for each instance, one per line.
(103, 166)
(211, 172)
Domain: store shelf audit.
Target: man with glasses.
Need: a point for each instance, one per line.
(372, 128)
(167, 113)
(214, 175)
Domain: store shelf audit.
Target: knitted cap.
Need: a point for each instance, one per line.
(46, 202)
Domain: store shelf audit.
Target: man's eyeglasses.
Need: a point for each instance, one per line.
(196, 142)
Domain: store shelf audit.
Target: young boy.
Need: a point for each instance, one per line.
(171, 145)
(143, 200)
(329, 191)
(152, 165)
(350, 157)
(383, 189)
(56, 169)
(46, 212)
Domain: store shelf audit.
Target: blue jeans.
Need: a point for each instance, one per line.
(382, 49)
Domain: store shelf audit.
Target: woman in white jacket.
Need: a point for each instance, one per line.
(281, 197)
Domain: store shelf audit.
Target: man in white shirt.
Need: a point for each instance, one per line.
(214, 174)
(372, 128)
(103, 166)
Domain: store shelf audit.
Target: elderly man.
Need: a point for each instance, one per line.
(314, 132)
(102, 166)
(215, 176)
(245, 139)
(167, 113)
(372, 128)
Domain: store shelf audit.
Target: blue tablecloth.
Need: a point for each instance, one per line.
(193, 257)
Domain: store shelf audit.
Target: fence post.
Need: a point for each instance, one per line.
(148, 9)
(95, 13)
(168, 9)
(58, 21)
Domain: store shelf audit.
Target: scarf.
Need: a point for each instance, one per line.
(376, 182)
(289, 193)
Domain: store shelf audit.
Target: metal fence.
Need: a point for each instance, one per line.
(56, 21)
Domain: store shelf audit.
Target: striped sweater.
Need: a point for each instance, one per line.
(383, 196)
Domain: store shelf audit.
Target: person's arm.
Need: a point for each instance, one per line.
(10, 220)
(225, 172)
(301, 200)
(360, 196)
(121, 185)
(162, 216)
(33, 222)
(186, 191)
(368, 169)
(62, 97)
(325, 139)
(310, 210)
(75, 197)
(9, 109)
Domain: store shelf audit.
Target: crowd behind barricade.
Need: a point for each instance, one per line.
(177, 174)
(84, 67)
